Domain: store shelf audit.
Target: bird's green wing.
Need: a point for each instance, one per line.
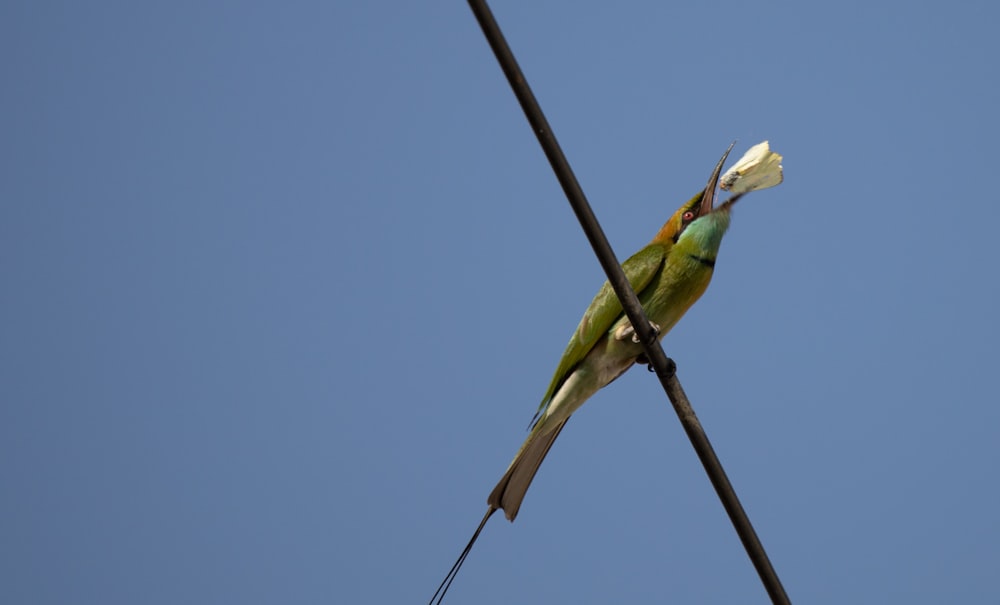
(603, 312)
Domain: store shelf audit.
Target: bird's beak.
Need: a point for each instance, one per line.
(708, 198)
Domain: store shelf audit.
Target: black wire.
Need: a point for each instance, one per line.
(663, 367)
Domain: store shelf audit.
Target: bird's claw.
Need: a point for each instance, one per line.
(656, 332)
(627, 330)
(644, 361)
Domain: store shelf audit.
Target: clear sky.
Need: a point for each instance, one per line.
(283, 284)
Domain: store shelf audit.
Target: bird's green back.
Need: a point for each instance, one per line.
(640, 269)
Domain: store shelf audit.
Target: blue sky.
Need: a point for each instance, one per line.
(283, 285)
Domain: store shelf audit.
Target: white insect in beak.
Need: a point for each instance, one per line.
(759, 168)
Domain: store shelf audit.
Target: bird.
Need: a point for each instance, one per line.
(668, 275)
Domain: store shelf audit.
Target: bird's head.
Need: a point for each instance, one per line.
(700, 206)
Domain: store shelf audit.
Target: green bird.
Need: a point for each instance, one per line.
(668, 275)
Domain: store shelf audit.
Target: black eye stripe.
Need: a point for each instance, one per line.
(686, 219)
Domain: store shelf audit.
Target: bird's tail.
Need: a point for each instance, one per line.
(448, 579)
(510, 491)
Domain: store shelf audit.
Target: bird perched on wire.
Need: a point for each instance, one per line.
(668, 275)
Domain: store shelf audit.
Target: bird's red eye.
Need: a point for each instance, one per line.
(688, 215)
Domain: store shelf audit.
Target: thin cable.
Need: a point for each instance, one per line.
(664, 368)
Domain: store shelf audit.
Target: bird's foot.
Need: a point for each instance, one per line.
(656, 332)
(627, 330)
(671, 368)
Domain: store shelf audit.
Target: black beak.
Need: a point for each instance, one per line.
(708, 198)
